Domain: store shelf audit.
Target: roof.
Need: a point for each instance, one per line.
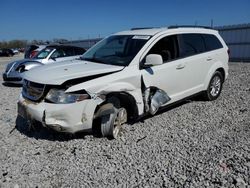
(155, 31)
(152, 31)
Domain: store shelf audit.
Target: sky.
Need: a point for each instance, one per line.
(82, 19)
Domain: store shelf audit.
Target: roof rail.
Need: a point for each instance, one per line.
(187, 26)
(138, 28)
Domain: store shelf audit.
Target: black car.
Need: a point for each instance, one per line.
(6, 53)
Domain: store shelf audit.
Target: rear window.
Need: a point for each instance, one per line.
(212, 42)
(191, 44)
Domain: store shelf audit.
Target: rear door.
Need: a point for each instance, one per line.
(192, 52)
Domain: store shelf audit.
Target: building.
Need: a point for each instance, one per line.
(237, 38)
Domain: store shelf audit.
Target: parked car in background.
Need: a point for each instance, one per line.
(32, 50)
(15, 51)
(125, 76)
(50, 54)
(21, 50)
(6, 53)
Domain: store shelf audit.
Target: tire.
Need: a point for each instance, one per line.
(107, 126)
(214, 88)
(111, 124)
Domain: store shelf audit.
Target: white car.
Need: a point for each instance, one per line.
(50, 54)
(125, 76)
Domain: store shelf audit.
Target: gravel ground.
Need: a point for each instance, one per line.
(195, 144)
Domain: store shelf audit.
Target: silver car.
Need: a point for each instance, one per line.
(50, 54)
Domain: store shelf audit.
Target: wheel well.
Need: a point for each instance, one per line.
(222, 71)
(128, 102)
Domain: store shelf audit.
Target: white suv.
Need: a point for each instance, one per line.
(125, 76)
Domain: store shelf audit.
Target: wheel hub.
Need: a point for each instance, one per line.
(120, 119)
(215, 86)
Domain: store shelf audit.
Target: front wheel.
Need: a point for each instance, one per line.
(214, 88)
(111, 123)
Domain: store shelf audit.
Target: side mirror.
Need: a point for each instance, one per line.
(153, 59)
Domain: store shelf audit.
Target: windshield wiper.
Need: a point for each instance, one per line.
(93, 59)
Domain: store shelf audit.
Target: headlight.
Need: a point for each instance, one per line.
(60, 97)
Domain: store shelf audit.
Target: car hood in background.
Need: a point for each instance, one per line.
(18, 63)
(58, 73)
(23, 61)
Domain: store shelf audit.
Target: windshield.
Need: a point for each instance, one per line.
(44, 53)
(116, 50)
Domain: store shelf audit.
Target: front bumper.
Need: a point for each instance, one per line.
(12, 78)
(70, 118)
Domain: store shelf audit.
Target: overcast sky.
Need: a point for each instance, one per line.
(79, 19)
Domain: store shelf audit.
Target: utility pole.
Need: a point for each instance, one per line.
(212, 23)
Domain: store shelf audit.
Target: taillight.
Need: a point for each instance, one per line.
(228, 51)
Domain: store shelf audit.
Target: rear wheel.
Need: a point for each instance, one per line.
(214, 88)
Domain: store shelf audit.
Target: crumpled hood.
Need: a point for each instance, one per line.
(58, 73)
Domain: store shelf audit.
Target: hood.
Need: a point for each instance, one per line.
(22, 61)
(37, 60)
(58, 73)
(17, 63)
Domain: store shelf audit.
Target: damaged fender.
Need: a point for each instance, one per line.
(105, 110)
(155, 98)
(114, 87)
(70, 117)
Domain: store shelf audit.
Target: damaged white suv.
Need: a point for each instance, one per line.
(125, 76)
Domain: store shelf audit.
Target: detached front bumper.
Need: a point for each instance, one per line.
(71, 118)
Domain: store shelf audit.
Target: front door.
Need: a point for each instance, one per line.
(171, 76)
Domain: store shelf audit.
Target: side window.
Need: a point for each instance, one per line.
(79, 51)
(191, 44)
(58, 53)
(212, 42)
(69, 51)
(166, 47)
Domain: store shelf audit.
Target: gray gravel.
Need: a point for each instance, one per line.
(195, 144)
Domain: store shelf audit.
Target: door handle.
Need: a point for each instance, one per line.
(180, 66)
(209, 59)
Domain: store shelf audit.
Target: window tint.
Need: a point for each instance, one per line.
(69, 51)
(212, 42)
(58, 53)
(116, 49)
(167, 48)
(191, 44)
(79, 51)
(44, 53)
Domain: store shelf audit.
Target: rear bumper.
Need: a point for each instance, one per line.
(68, 118)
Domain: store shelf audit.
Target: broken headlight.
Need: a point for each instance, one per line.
(59, 96)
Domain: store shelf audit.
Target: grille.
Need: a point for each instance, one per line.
(33, 91)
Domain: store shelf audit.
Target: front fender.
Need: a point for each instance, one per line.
(31, 65)
(135, 92)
